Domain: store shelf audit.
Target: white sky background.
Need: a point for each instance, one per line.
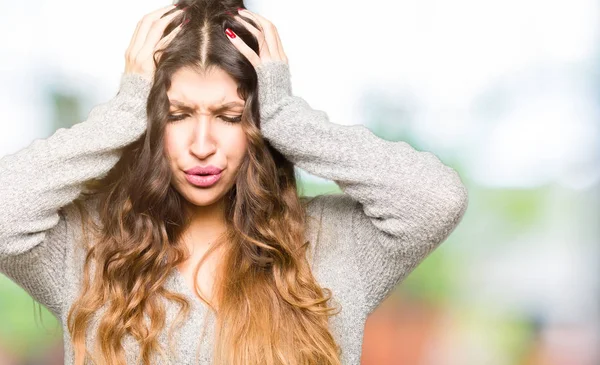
(535, 58)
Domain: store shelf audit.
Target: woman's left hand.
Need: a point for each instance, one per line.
(270, 47)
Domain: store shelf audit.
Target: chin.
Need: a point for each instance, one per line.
(202, 198)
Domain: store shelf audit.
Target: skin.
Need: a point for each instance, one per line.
(202, 137)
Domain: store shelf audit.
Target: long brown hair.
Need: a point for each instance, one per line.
(269, 307)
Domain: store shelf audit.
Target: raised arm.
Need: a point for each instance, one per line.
(38, 180)
(399, 203)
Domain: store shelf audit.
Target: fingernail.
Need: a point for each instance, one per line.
(230, 33)
(241, 9)
(185, 22)
(229, 13)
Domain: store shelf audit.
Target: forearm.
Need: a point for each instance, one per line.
(38, 180)
(408, 193)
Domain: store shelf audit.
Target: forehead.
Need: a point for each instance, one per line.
(211, 88)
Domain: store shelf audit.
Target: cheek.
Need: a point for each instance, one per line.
(238, 144)
(243, 141)
(172, 141)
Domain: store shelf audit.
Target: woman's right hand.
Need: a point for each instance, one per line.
(147, 39)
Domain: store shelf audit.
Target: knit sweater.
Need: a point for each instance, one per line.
(397, 205)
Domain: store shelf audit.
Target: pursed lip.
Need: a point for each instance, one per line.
(204, 170)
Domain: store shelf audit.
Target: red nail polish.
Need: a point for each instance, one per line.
(241, 9)
(230, 33)
(229, 13)
(185, 22)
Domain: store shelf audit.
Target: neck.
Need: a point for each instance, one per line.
(206, 223)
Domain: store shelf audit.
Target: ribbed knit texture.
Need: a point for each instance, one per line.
(398, 205)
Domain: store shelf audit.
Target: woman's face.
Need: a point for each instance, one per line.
(206, 135)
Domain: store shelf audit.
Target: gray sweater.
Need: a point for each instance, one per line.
(398, 205)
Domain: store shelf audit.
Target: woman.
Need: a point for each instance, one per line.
(110, 226)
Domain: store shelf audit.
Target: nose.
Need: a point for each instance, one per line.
(203, 142)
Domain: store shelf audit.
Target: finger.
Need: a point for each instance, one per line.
(134, 38)
(272, 36)
(280, 50)
(167, 39)
(249, 26)
(249, 14)
(156, 31)
(245, 50)
(146, 24)
(263, 47)
(268, 29)
(151, 26)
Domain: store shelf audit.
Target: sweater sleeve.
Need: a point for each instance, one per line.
(399, 203)
(48, 174)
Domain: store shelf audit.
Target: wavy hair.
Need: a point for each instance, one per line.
(268, 305)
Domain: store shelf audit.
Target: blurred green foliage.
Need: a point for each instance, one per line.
(25, 327)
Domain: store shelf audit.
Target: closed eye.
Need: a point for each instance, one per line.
(172, 117)
(175, 117)
(235, 119)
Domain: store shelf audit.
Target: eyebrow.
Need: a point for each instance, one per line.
(217, 108)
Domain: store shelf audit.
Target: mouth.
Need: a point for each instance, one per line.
(204, 170)
(203, 180)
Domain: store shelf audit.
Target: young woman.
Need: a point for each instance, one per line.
(167, 227)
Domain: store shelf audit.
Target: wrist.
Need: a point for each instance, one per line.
(274, 84)
(135, 84)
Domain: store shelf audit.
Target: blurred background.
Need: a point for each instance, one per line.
(506, 92)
